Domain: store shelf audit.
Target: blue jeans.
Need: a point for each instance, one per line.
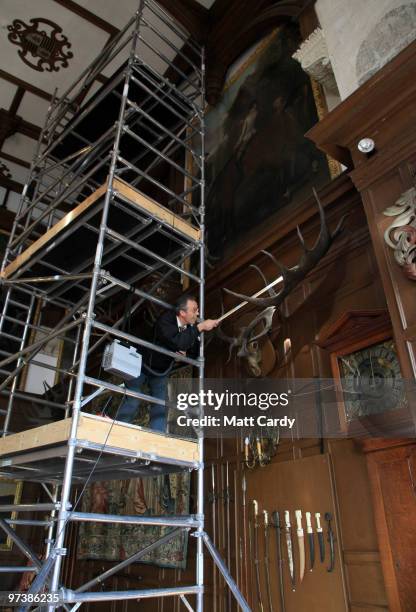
(157, 386)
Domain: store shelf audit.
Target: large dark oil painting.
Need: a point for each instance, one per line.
(258, 160)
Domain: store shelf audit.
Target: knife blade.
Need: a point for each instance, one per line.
(301, 544)
(320, 535)
(289, 545)
(276, 525)
(328, 518)
(267, 559)
(310, 539)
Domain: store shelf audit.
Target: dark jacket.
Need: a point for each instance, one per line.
(167, 335)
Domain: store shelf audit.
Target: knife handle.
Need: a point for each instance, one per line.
(255, 508)
(308, 522)
(276, 519)
(266, 518)
(298, 515)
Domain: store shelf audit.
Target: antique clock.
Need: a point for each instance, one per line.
(371, 380)
(364, 361)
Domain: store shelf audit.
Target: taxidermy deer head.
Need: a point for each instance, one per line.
(245, 341)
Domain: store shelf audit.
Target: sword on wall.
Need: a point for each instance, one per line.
(256, 553)
(267, 559)
(320, 536)
(244, 490)
(289, 545)
(276, 525)
(310, 539)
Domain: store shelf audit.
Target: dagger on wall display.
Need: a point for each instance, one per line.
(267, 559)
(276, 525)
(256, 553)
(320, 535)
(311, 540)
(301, 543)
(328, 518)
(289, 545)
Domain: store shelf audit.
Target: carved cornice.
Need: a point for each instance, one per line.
(367, 112)
(314, 58)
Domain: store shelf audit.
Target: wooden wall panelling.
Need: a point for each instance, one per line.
(364, 576)
(383, 109)
(392, 471)
(305, 484)
(347, 278)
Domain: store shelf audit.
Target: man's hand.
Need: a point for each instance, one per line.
(207, 325)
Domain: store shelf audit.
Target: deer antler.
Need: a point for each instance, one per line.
(233, 342)
(291, 278)
(310, 257)
(244, 338)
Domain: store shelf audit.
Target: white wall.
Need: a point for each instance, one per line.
(363, 35)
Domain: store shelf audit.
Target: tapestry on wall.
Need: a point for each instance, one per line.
(160, 495)
(153, 495)
(258, 158)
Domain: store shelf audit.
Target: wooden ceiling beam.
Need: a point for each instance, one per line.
(27, 86)
(9, 183)
(11, 124)
(14, 160)
(100, 23)
(18, 97)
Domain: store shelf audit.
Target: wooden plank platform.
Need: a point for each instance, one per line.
(54, 231)
(99, 430)
(135, 197)
(157, 210)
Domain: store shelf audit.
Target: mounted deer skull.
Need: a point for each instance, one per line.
(291, 278)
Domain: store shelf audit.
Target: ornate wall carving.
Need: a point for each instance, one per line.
(401, 233)
(43, 46)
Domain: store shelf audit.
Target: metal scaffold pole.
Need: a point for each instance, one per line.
(107, 219)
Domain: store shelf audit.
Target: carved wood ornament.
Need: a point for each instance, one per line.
(43, 41)
(401, 233)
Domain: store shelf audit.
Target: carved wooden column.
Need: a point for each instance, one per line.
(384, 110)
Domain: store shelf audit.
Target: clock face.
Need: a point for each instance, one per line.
(371, 380)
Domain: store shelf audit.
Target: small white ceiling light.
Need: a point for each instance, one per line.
(366, 145)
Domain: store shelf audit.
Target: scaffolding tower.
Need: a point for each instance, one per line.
(99, 218)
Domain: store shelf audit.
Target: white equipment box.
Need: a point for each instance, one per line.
(122, 360)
